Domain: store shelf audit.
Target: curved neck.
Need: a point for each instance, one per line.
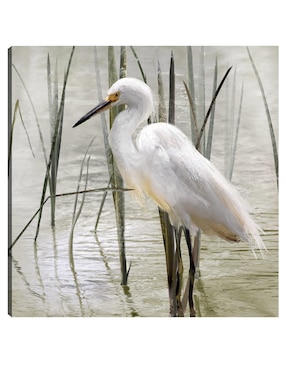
(121, 141)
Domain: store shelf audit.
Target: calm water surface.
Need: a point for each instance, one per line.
(232, 282)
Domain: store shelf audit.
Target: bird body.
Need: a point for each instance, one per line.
(162, 162)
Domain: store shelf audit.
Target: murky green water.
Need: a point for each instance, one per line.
(232, 282)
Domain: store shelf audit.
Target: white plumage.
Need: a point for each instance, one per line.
(163, 163)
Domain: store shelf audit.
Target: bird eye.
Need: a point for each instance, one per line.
(114, 96)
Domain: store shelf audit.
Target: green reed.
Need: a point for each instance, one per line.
(56, 119)
(56, 109)
(116, 179)
(166, 227)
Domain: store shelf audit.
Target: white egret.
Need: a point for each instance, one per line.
(163, 163)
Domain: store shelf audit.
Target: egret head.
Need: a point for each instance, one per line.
(129, 91)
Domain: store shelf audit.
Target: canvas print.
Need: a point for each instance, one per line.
(143, 181)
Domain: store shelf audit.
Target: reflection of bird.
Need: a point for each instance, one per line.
(162, 162)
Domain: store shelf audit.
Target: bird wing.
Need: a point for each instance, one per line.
(188, 186)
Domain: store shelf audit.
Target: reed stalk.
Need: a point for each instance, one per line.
(139, 64)
(190, 88)
(96, 190)
(176, 262)
(123, 63)
(201, 101)
(116, 179)
(166, 227)
(108, 152)
(235, 138)
(11, 131)
(56, 125)
(269, 120)
(231, 127)
(104, 125)
(194, 124)
(76, 214)
(196, 134)
(171, 118)
(211, 125)
(229, 124)
(162, 112)
(34, 112)
(210, 108)
(53, 110)
(171, 237)
(55, 150)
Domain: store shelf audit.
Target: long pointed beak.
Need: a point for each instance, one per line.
(101, 107)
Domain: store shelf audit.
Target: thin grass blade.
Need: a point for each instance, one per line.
(53, 146)
(76, 217)
(167, 231)
(229, 127)
(100, 208)
(123, 62)
(139, 64)
(96, 190)
(210, 108)
(235, 140)
(270, 125)
(195, 130)
(49, 82)
(162, 112)
(172, 90)
(56, 119)
(34, 111)
(60, 114)
(104, 125)
(191, 94)
(108, 152)
(52, 96)
(77, 214)
(201, 98)
(211, 125)
(116, 179)
(17, 109)
(52, 110)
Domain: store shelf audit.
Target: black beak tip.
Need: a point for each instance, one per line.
(76, 124)
(82, 119)
(99, 108)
